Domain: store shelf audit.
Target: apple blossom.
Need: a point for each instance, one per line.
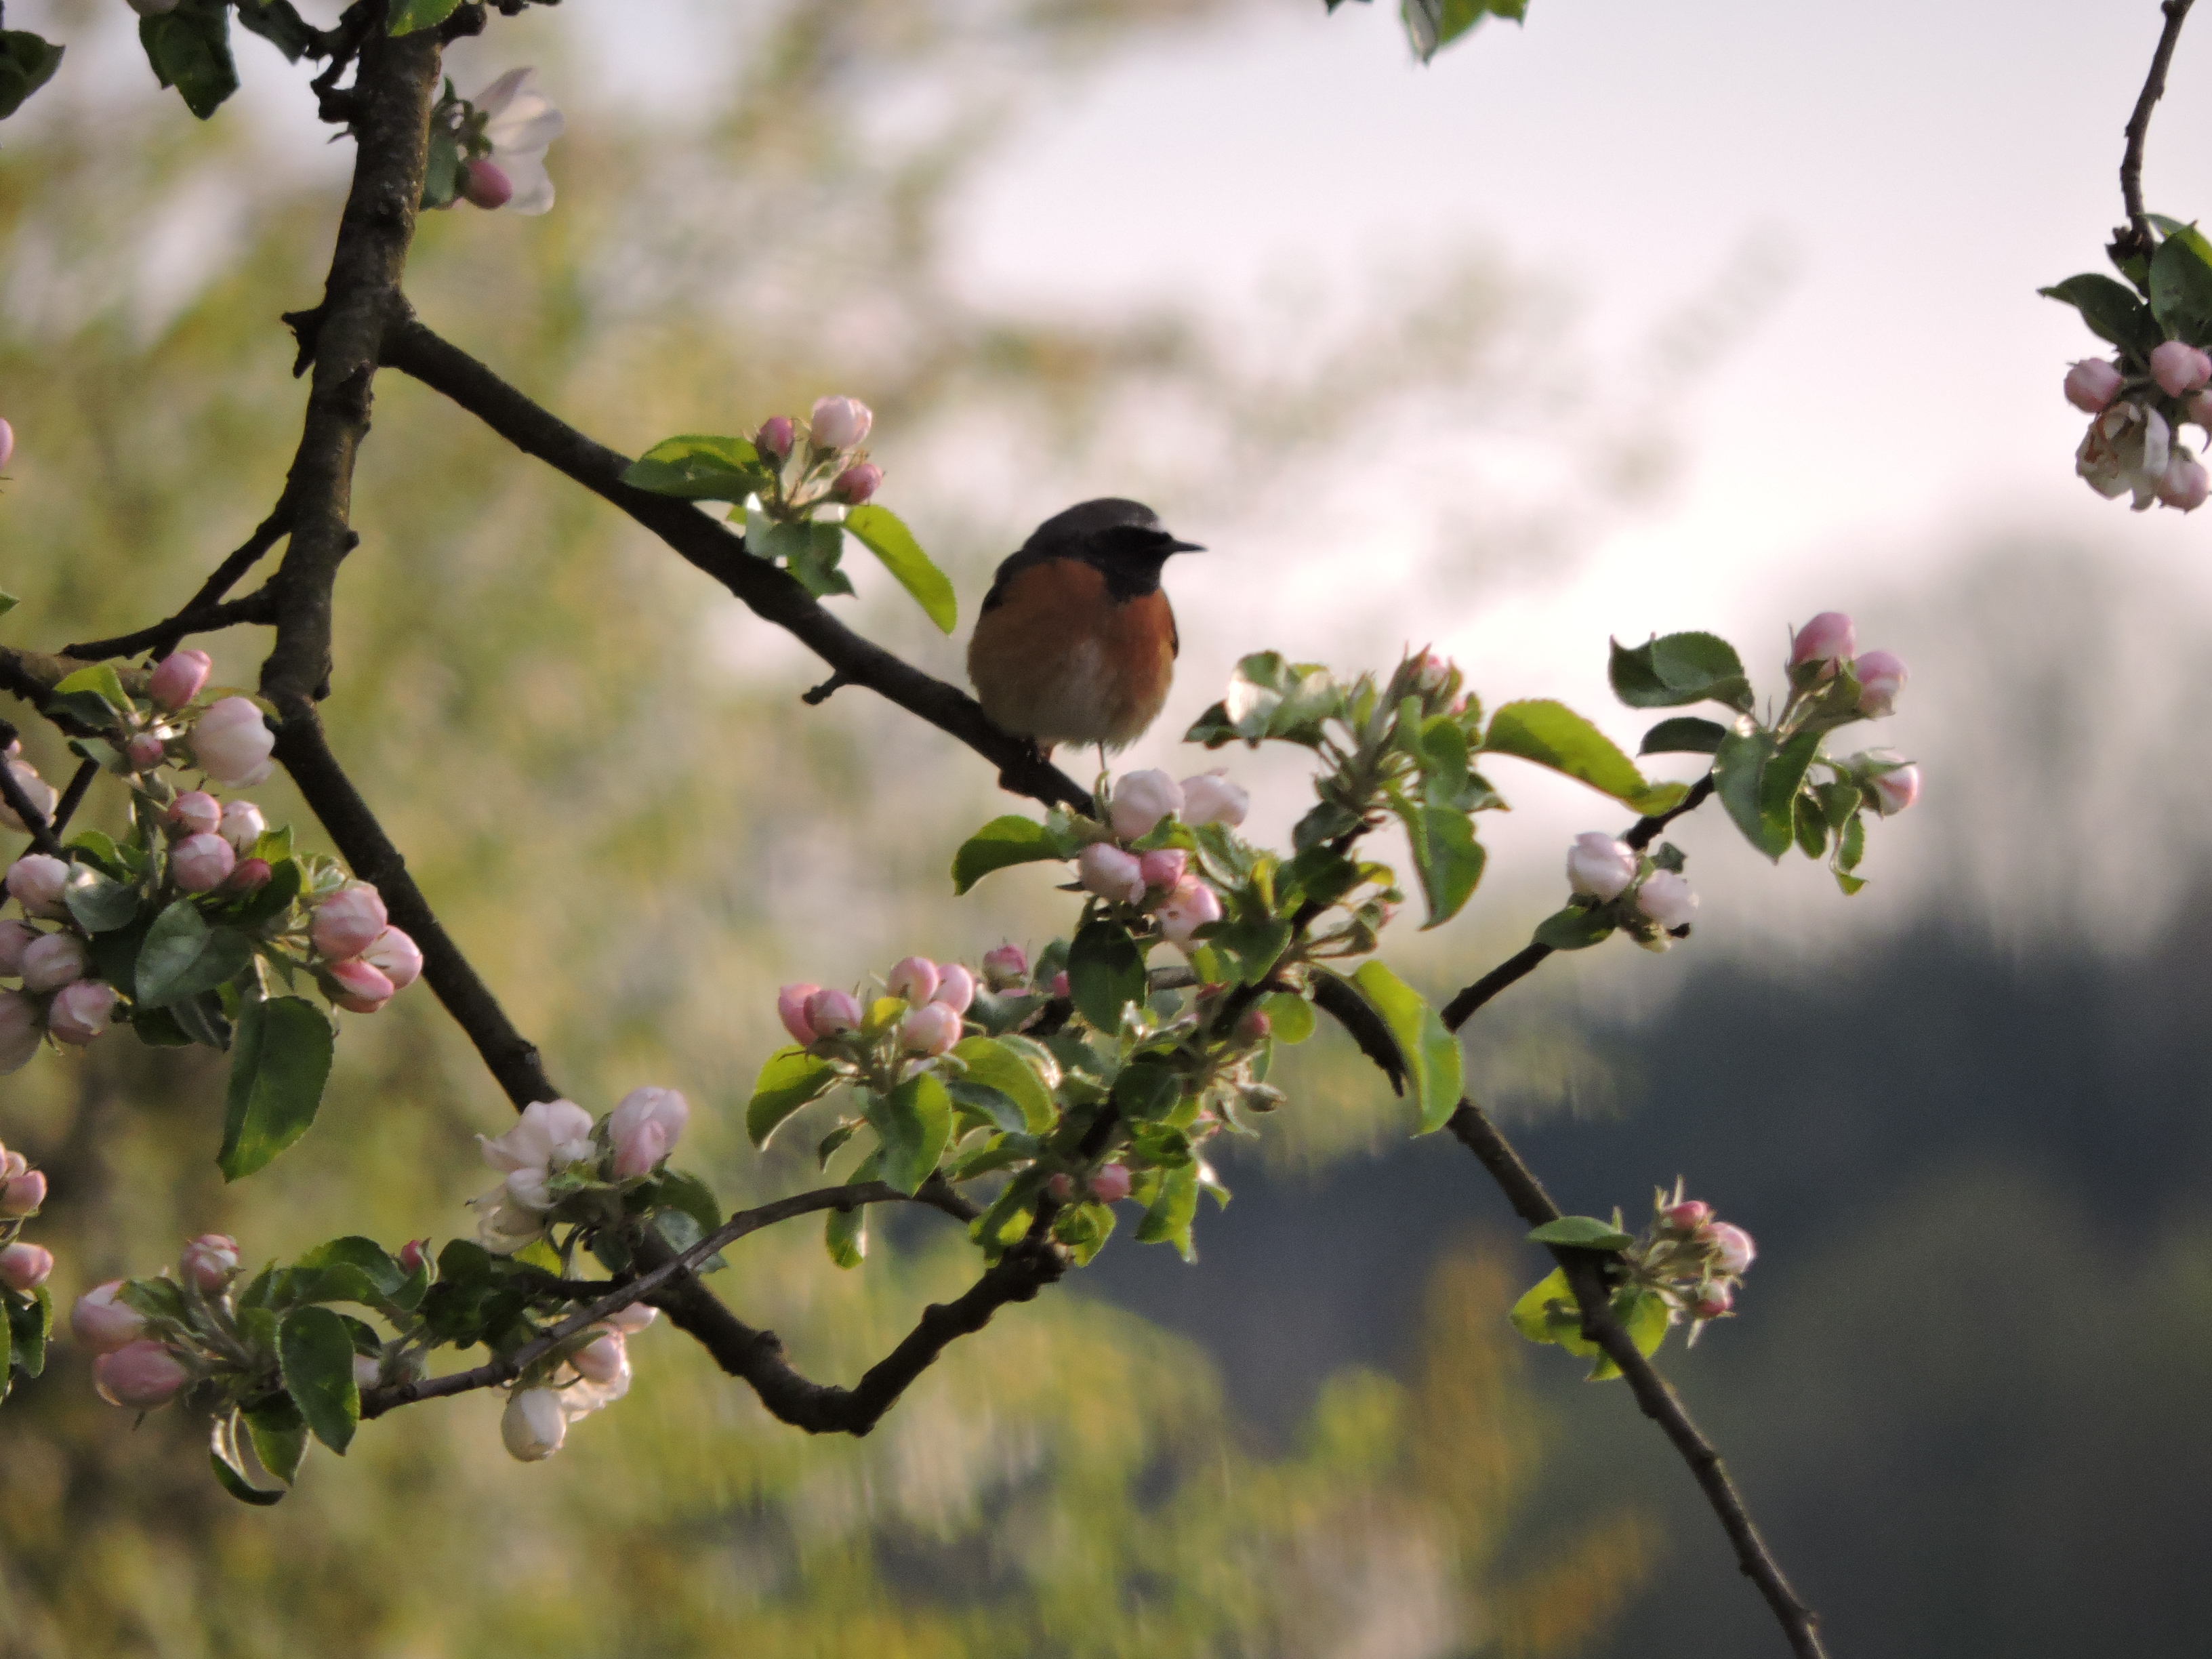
(178, 677)
(1599, 866)
(414, 1253)
(774, 437)
(1110, 1182)
(830, 1011)
(21, 1195)
(2179, 367)
(955, 987)
(547, 1130)
(504, 1226)
(588, 1395)
(145, 751)
(19, 1031)
(210, 1261)
(35, 790)
(1895, 787)
(840, 422)
(1210, 798)
(644, 1127)
(201, 863)
(249, 876)
(2091, 384)
(855, 484)
(631, 1320)
(368, 1372)
(1689, 1216)
(791, 1009)
(24, 1267)
(1829, 637)
(103, 1324)
(1163, 867)
(53, 960)
(484, 184)
(232, 742)
(142, 1375)
(79, 1012)
(520, 122)
(394, 954)
(2126, 449)
(914, 978)
(16, 937)
(347, 921)
(1189, 908)
(2185, 482)
(242, 826)
(1713, 1300)
(932, 1029)
(1665, 896)
(533, 1425)
(7, 442)
(1104, 869)
(36, 881)
(602, 1358)
(1732, 1246)
(362, 987)
(195, 812)
(1140, 801)
(1882, 678)
(1006, 967)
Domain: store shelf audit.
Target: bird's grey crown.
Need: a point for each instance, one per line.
(1087, 519)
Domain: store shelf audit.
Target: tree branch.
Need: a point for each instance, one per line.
(770, 594)
(204, 611)
(2134, 238)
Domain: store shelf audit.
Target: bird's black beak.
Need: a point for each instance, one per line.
(1171, 545)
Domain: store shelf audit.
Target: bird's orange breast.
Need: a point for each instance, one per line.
(1060, 660)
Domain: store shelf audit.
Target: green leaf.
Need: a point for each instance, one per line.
(2181, 286)
(1574, 928)
(26, 63)
(1105, 974)
(1583, 1232)
(1247, 951)
(996, 1066)
(1811, 827)
(1432, 1054)
(2111, 310)
(315, 1350)
(24, 1333)
(1169, 1217)
(279, 1062)
(441, 167)
(1675, 669)
(190, 49)
(809, 551)
(913, 1124)
(101, 904)
(102, 682)
(1447, 858)
(1551, 734)
(408, 15)
(880, 531)
(1147, 1090)
(1291, 1016)
(1548, 1310)
(1002, 842)
(1739, 767)
(230, 1465)
(377, 1268)
(1779, 785)
(183, 955)
(1645, 1317)
(278, 24)
(279, 1435)
(1432, 25)
(699, 468)
(692, 1196)
(788, 1079)
(845, 1233)
(1685, 734)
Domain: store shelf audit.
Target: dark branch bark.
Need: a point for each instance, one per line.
(73, 797)
(205, 610)
(768, 591)
(2134, 238)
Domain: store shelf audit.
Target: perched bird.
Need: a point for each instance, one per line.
(1076, 643)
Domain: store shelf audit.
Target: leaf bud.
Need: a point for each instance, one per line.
(79, 1012)
(201, 863)
(178, 677)
(2179, 367)
(1140, 801)
(2091, 384)
(103, 1324)
(840, 422)
(140, 1374)
(1599, 866)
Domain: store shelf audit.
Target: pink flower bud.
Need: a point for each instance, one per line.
(955, 987)
(631, 1320)
(932, 1029)
(1189, 908)
(13, 1164)
(2184, 483)
(601, 1359)
(2179, 367)
(1732, 1247)
(249, 876)
(1164, 867)
(22, 1194)
(1881, 676)
(145, 751)
(914, 978)
(368, 1372)
(840, 422)
(36, 790)
(1829, 637)
(36, 882)
(1253, 1026)
(1060, 986)
(855, 484)
(2091, 384)
(362, 987)
(19, 1031)
(1106, 870)
(832, 1011)
(24, 1267)
(394, 954)
(1210, 798)
(7, 442)
(16, 937)
(1061, 1187)
(102, 1323)
(1665, 896)
(1713, 1301)
(1140, 801)
(2200, 410)
(484, 184)
(1109, 1183)
(232, 742)
(644, 1127)
(210, 1261)
(1688, 1217)
(51, 961)
(1007, 966)
(201, 863)
(242, 826)
(1600, 867)
(774, 436)
(178, 677)
(347, 921)
(413, 1254)
(140, 1374)
(195, 812)
(79, 1012)
(533, 1425)
(1896, 785)
(791, 1009)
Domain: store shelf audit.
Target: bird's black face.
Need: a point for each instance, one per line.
(1122, 539)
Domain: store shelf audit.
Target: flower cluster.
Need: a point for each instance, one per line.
(1159, 881)
(152, 1339)
(2130, 448)
(819, 461)
(587, 1374)
(490, 150)
(1646, 894)
(24, 1267)
(917, 1019)
(560, 1166)
(1692, 1263)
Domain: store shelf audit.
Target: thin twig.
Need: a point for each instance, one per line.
(2134, 238)
(205, 610)
(73, 797)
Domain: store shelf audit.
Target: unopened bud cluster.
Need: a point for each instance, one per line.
(2131, 447)
(1647, 895)
(1692, 1259)
(559, 1166)
(24, 1267)
(1159, 881)
(918, 1019)
(590, 1372)
(819, 461)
